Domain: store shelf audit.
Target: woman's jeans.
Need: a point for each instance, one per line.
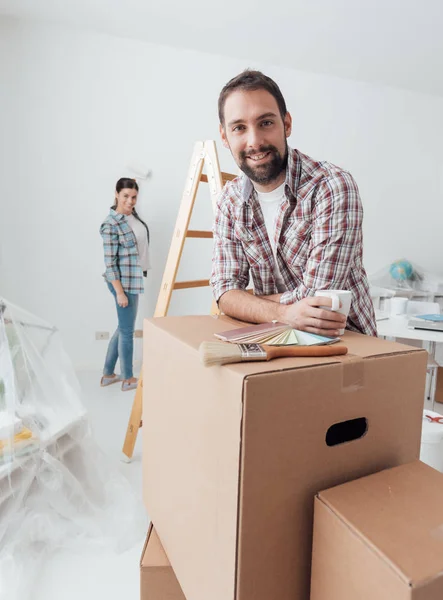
(121, 345)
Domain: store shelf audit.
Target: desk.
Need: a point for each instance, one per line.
(397, 327)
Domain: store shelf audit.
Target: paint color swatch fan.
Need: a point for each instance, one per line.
(273, 334)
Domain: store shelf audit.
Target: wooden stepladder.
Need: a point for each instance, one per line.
(204, 155)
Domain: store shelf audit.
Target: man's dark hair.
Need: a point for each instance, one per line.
(250, 81)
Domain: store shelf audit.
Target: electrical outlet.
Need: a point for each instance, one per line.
(138, 333)
(102, 335)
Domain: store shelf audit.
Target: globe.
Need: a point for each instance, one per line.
(401, 270)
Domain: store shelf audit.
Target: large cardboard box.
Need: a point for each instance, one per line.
(233, 456)
(380, 537)
(157, 579)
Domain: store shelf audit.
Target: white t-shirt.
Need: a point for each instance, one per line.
(141, 236)
(270, 204)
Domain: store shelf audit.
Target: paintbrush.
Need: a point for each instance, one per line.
(221, 353)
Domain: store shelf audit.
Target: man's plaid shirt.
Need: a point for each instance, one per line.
(318, 239)
(121, 253)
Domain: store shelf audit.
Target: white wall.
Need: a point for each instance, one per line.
(80, 106)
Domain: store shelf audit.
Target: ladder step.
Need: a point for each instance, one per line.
(225, 177)
(228, 177)
(194, 233)
(183, 285)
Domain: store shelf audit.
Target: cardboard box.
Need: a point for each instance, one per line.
(233, 456)
(380, 537)
(157, 579)
(439, 386)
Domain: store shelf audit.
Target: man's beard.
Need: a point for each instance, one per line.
(269, 171)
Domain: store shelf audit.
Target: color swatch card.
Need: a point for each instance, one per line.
(273, 334)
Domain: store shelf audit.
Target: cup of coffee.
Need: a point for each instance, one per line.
(341, 302)
(399, 306)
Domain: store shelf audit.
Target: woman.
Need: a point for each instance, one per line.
(126, 245)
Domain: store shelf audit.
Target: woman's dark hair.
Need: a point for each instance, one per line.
(128, 183)
(250, 81)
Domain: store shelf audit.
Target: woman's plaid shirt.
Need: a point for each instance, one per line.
(121, 253)
(318, 239)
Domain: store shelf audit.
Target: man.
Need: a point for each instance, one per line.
(292, 223)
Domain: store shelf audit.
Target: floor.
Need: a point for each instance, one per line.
(99, 574)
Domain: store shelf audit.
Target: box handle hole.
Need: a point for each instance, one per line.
(346, 431)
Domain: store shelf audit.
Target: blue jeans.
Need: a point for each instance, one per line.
(121, 345)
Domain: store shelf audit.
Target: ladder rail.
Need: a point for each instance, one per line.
(180, 230)
(204, 154)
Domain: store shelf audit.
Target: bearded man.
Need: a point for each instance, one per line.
(291, 223)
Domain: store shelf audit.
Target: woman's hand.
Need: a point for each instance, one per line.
(122, 300)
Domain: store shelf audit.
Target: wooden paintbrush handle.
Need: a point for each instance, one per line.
(284, 351)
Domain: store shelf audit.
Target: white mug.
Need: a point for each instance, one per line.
(399, 306)
(343, 297)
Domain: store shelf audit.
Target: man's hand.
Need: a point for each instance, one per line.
(307, 316)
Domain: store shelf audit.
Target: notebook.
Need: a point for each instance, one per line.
(431, 322)
(273, 334)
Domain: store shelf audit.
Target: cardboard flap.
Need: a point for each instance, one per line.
(191, 331)
(153, 552)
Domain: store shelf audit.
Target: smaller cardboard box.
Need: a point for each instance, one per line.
(380, 537)
(439, 386)
(157, 579)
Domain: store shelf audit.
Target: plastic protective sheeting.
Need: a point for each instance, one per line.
(57, 489)
(403, 276)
